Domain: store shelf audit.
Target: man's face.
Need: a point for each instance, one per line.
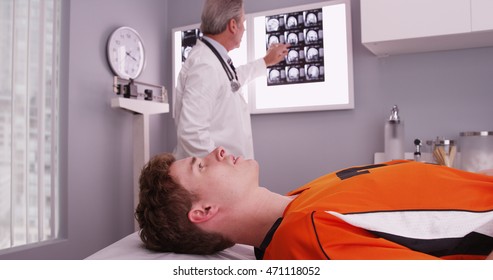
(216, 176)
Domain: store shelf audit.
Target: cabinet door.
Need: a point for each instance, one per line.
(482, 15)
(386, 20)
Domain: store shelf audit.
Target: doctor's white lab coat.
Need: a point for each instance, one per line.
(207, 112)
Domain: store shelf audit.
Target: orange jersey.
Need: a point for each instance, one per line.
(395, 210)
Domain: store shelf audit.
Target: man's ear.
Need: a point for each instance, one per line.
(232, 26)
(200, 214)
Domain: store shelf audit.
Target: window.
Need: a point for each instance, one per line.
(29, 121)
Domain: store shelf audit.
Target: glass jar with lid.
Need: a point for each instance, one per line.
(443, 151)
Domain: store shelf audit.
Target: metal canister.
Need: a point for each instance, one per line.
(476, 148)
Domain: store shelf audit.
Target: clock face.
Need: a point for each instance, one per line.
(125, 52)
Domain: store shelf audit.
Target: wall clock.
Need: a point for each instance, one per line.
(126, 53)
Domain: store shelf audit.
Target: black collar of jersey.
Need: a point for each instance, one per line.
(259, 252)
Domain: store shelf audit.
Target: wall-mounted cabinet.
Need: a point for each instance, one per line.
(402, 26)
(482, 15)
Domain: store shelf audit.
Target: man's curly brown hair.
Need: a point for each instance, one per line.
(162, 213)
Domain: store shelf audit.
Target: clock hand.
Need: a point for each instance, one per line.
(128, 53)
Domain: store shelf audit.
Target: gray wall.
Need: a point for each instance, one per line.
(439, 93)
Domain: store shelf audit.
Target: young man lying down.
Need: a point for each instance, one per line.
(395, 210)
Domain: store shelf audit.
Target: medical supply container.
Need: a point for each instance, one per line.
(394, 136)
(476, 148)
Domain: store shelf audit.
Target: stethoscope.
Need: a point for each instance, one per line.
(233, 77)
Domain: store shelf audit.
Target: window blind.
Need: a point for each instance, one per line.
(29, 121)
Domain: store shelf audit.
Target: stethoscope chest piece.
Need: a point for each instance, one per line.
(235, 86)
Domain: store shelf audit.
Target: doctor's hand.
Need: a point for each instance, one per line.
(275, 54)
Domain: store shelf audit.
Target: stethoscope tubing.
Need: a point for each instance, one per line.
(233, 77)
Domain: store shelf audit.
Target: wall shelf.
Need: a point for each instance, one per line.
(140, 106)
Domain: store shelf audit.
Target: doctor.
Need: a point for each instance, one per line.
(210, 109)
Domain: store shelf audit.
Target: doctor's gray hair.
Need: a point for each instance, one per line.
(217, 13)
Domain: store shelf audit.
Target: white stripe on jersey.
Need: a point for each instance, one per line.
(422, 224)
